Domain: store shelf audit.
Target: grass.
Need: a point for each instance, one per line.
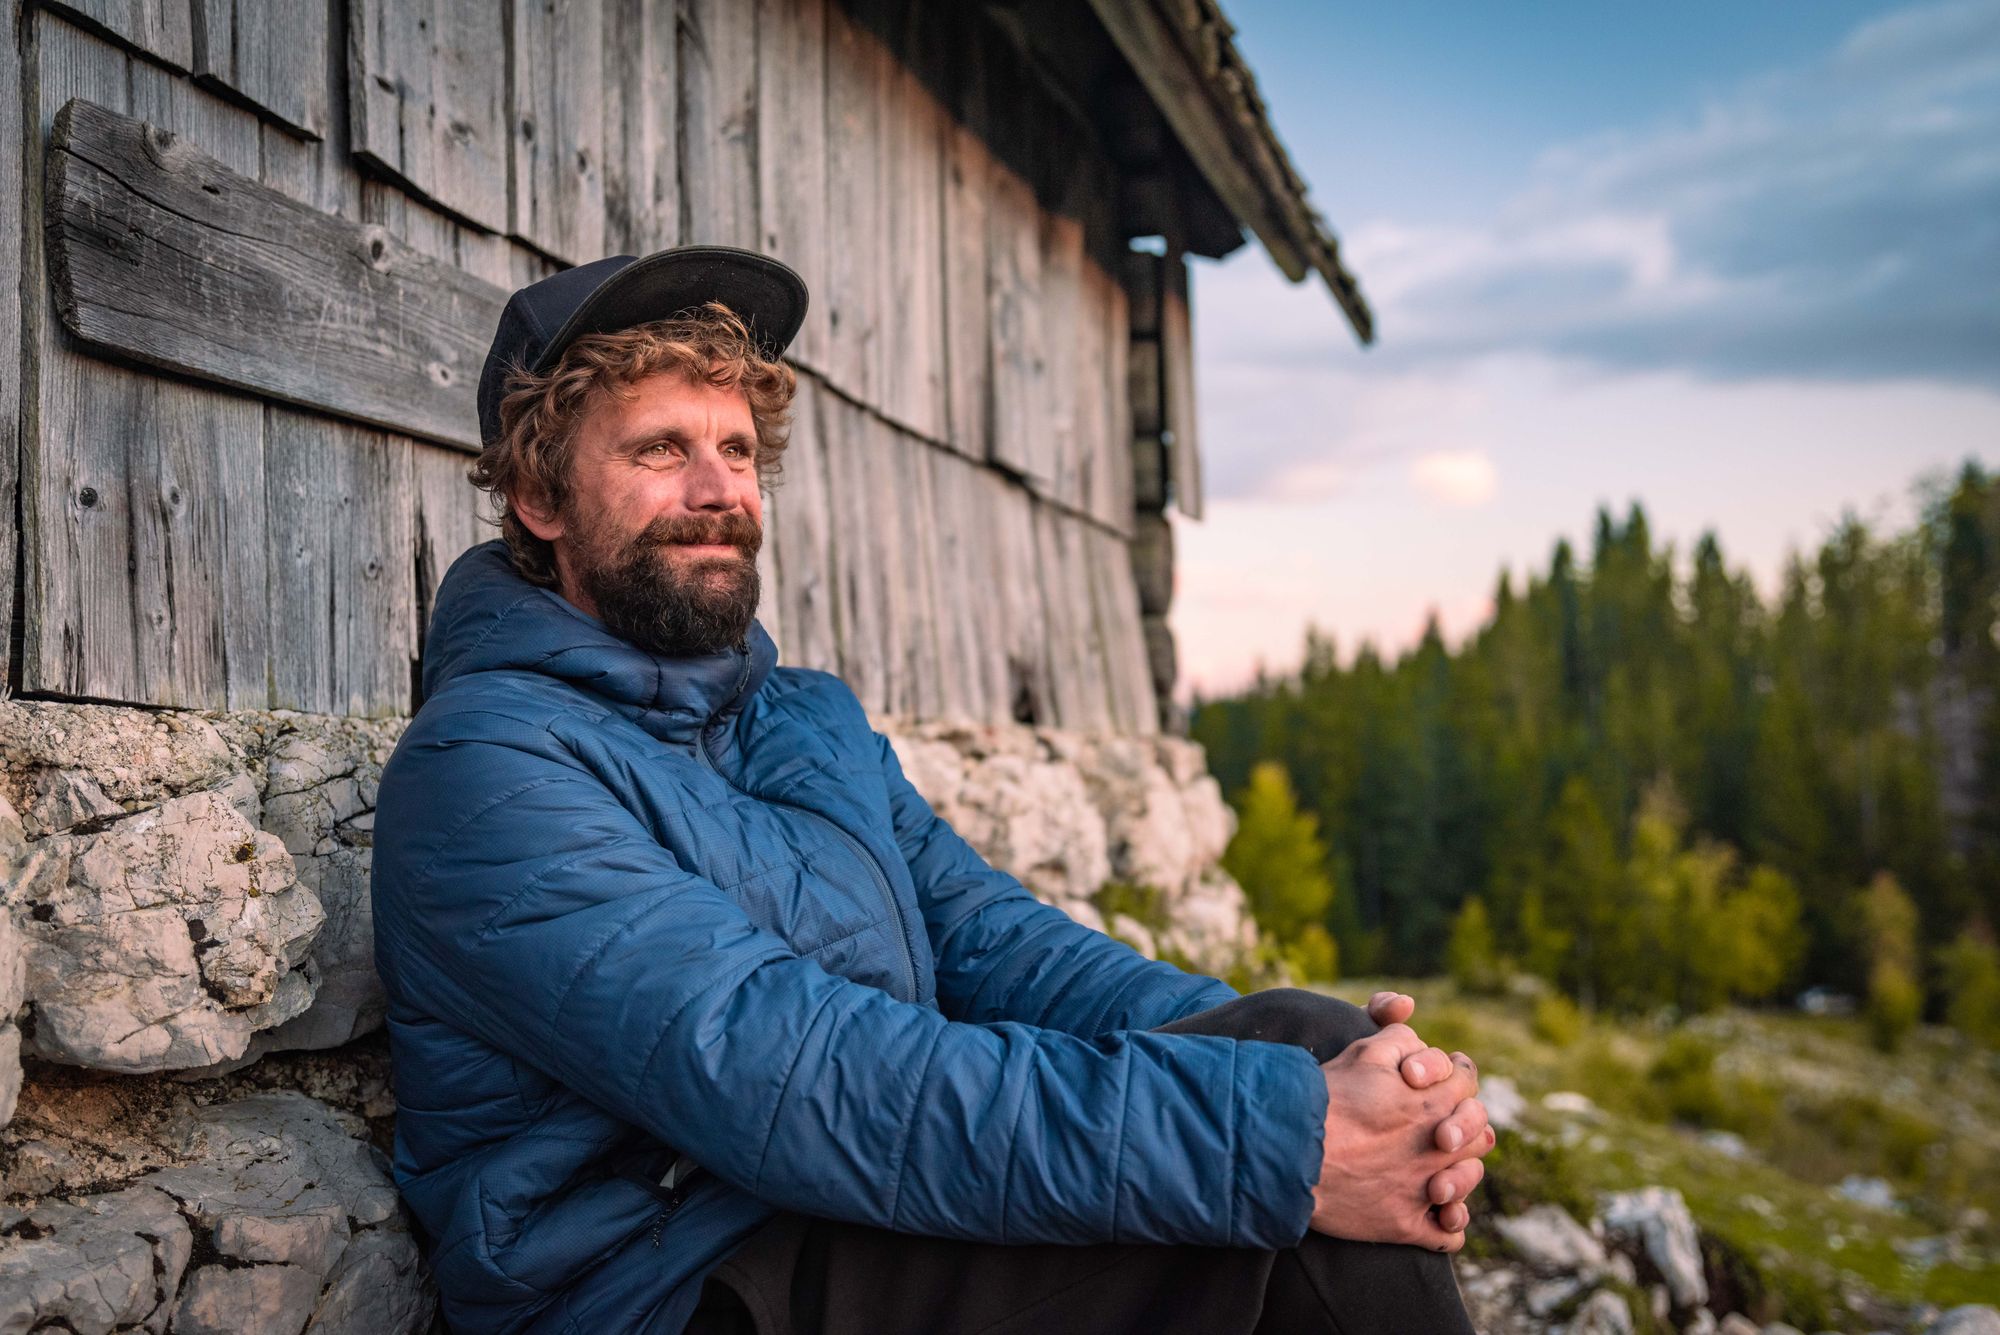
(1811, 1101)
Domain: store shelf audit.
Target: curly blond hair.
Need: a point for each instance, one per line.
(539, 414)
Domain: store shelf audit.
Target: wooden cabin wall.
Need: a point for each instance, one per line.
(950, 532)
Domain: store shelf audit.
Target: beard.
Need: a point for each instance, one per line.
(677, 606)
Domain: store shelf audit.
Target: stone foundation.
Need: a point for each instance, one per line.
(186, 978)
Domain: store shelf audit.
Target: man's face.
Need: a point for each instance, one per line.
(660, 533)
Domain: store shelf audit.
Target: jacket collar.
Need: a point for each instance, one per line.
(489, 619)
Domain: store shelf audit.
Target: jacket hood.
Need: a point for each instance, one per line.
(489, 619)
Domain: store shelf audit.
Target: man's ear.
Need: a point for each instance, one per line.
(535, 513)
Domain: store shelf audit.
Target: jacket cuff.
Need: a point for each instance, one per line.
(1281, 1131)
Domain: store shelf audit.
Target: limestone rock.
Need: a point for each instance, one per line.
(1603, 1313)
(1735, 1323)
(103, 1263)
(1505, 1105)
(222, 1300)
(1972, 1319)
(13, 991)
(378, 1286)
(1657, 1219)
(166, 939)
(135, 757)
(1547, 1238)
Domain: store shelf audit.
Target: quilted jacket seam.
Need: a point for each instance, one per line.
(590, 962)
(1014, 1147)
(1118, 1154)
(785, 1088)
(445, 844)
(666, 1027)
(910, 1128)
(533, 883)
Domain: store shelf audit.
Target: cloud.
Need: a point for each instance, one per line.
(1461, 479)
(1838, 220)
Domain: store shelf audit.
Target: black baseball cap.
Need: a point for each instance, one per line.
(620, 291)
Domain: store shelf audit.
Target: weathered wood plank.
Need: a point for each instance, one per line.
(1177, 372)
(791, 155)
(1115, 608)
(11, 336)
(1020, 440)
(1076, 661)
(718, 121)
(799, 526)
(270, 53)
(425, 97)
(448, 518)
(342, 594)
(1062, 314)
(861, 620)
(969, 168)
(162, 30)
(555, 127)
(1104, 420)
(912, 179)
(910, 505)
(856, 258)
(143, 520)
(971, 625)
(642, 210)
(1016, 563)
(164, 255)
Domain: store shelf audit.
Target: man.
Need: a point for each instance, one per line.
(703, 1020)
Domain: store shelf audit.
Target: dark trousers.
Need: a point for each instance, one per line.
(805, 1276)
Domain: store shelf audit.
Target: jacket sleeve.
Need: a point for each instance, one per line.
(517, 899)
(1002, 954)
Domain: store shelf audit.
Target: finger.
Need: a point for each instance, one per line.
(1389, 1047)
(1454, 1218)
(1464, 1129)
(1423, 1069)
(1391, 1008)
(1466, 1064)
(1432, 1235)
(1454, 1183)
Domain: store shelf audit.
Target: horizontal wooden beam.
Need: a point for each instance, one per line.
(161, 254)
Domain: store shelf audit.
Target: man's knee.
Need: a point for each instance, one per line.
(1292, 1015)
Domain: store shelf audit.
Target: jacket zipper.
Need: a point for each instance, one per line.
(671, 1199)
(860, 850)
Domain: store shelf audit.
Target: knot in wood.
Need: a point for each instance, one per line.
(375, 247)
(441, 373)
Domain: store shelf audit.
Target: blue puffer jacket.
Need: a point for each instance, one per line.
(628, 905)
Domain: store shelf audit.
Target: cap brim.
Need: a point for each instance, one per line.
(767, 295)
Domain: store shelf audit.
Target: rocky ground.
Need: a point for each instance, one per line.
(194, 1092)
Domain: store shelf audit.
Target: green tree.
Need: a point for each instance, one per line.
(1472, 955)
(1278, 859)
(1889, 921)
(1971, 969)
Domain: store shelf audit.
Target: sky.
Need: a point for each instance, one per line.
(1737, 262)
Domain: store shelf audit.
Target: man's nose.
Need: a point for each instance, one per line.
(707, 482)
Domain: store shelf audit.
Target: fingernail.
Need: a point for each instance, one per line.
(1452, 1137)
(1449, 1192)
(1417, 1069)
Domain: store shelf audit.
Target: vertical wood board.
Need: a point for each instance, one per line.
(856, 66)
(718, 122)
(162, 29)
(142, 504)
(555, 127)
(270, 53)
(426, 100)
(343, 615)
(799, 526)
(642, 209)
(791, 155)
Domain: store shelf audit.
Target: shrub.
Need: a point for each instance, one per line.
(1471, 955)
(1894, 1005)
(1971, 969)
(1312, 955)
(1557, 1020)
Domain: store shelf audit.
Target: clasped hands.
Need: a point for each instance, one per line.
(1404, 1137)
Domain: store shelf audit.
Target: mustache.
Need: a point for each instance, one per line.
(734, 529)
